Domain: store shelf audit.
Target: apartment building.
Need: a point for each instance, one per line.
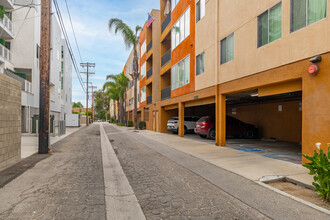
(251, 60)
(22, 63)
(128, 71)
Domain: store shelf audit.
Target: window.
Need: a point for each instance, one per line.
(270, 25)
(143, 94)
(143, 70)
(174, 3)
(180, 74)
(181, 29)
(227, 49)
(306, 12)
(200, 10)
(200, 64)
(143, 48)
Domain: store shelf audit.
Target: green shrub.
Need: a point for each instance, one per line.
(129, 123)
(120, 124)
(141, 125)
(319, 167)
(112, 120)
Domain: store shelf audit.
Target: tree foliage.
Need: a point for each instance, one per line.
(131, 39)
(77, 105)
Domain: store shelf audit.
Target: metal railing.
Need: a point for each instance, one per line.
(26, 85)
(166, 58)
(5, 53)
(149, 99)
(166, 93)
(166, 22)
(149, 73)
(7, 23)
(149, 46)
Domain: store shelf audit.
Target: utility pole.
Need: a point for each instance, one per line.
(88, 72)
(44, 77)
(93, 87)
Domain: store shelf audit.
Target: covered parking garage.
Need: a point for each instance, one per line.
(277, 119)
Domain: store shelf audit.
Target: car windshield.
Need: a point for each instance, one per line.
(203, 119)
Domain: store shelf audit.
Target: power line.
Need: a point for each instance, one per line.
(59, 15)
(74, 34)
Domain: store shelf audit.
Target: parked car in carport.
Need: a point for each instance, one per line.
(205, 128)
(189, 124)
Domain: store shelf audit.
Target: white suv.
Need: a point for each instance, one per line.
(189, 124)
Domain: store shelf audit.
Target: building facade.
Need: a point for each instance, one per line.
(24, 64)
(250, 60)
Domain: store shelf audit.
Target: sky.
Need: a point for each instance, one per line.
(96, 44)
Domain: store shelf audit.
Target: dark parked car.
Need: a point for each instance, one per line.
(189, 124)
(205, 128)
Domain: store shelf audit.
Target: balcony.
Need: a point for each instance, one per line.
(5, 53)
(7, 26)
(166, 58)
(26, 85)
(166, 22)
(149, 99)
(166, 93)
(149, 46)
(149, 73)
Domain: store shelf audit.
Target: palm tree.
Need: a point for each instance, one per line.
(131, 39)
(116, 88)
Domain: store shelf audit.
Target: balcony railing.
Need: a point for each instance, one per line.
(5, 53)
(7, 23)
(166, 58)
(149, 99)
(26, 85)
(166, 22)
(166, 93)
(149, 73)
(149, 46)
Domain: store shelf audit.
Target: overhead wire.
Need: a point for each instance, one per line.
(59, 15)
(74, 34)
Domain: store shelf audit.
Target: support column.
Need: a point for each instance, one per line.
(181, 119)
(220, 118)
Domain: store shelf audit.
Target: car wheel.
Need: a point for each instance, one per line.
(185, 130)
(202, 136)
(250, 134)
(212, 133)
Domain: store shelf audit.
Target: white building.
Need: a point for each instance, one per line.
(25, 50)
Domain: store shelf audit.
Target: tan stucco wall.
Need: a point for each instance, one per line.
(206, 35)
(10, 121)
(156, 58)
(130, 92)
(240, 17)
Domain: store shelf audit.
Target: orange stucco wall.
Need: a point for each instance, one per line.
(185, 48)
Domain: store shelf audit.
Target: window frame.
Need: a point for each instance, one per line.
(176, 67)
(221, 55)
(197, 63)
(268, 14)
(187, 28)
(200, 10)
(306, 21)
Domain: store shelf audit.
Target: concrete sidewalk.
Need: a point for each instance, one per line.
(249, 165)
(29, 142)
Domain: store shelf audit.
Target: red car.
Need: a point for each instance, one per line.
(205, 128)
